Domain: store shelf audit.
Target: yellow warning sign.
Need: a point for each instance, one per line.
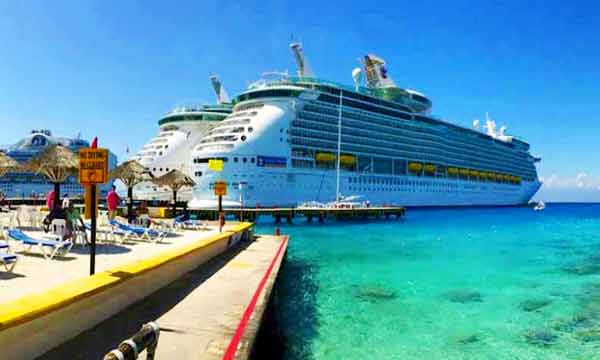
(220, 188)
(215, 164)
(93, 166)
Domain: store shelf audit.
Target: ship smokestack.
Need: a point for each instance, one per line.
(304, 69)
(222, 96)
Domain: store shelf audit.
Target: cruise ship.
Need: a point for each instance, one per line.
(30, 185)
(299, 139)
(179, 131)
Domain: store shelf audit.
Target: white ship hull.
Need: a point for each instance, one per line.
(286, 187)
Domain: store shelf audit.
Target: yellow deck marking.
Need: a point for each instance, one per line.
(238, 264)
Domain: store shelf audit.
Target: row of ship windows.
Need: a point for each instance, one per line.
(310, 127)
(386, 166)
(214, 139)
(225, 129)
(402, 182)
(256, 105)
(237, 114)
(234, 122)
(224, 159)
(424, 119)
(424, 124)
(373, 123)
(394, 125)
(374, 164)
(330, 145)
(421, 189)
(306, 132)
(421, 156)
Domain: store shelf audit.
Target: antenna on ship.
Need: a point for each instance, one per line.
(222, 96)
(304, 70)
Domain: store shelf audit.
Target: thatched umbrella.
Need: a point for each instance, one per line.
(56, 163)
(131, 173)
(7, 164)
(174, 180)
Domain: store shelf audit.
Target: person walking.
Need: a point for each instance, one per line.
(112, 202)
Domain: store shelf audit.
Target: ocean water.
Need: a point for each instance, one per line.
(483, 283)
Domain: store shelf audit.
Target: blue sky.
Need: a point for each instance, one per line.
(112, 68)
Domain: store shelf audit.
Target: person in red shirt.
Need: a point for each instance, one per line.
(50, 200)
(112, 202)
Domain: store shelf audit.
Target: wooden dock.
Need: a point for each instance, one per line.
(311, 214)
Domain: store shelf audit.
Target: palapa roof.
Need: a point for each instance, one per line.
(174, 179)
(56, 163)
(7, 164)
(131, 173)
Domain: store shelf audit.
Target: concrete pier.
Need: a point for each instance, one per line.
(213, 312)
(220, 319)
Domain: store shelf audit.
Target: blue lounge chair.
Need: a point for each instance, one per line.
(49, 248)
(184, 223)
(138, 232)
(8, 261)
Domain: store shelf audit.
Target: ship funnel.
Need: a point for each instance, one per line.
(222, 96)
(357, 77)
(304, 69)
(376, 72)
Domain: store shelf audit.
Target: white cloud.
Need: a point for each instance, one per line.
(581, 181)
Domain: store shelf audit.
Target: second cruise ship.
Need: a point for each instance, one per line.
(298, 139)
(179, 131)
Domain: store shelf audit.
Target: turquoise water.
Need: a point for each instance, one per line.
(485, 283)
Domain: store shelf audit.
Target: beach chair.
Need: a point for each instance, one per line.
(181, 222)
(104, 233)
(8, 261)
(138, 232)
(49, 248)
(59, 227)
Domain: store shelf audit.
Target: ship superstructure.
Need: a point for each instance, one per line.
(23, 184)
(179, 131)
(287, 137)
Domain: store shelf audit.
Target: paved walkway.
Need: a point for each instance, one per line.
(199, 313)
(202, 325)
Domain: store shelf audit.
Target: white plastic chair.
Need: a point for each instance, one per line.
(59, 227)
